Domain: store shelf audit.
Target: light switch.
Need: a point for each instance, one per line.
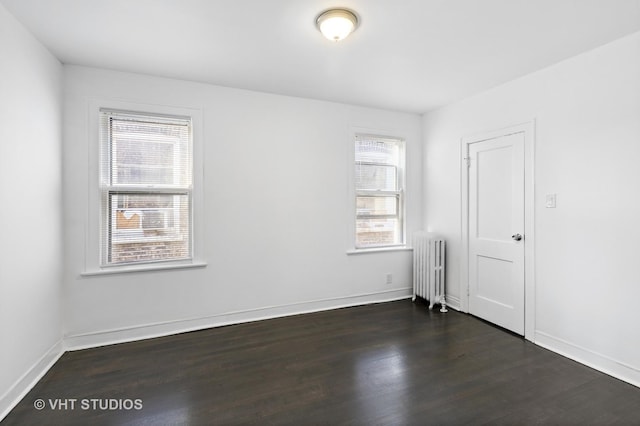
(550, 201)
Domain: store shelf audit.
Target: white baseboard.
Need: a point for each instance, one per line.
(149, 331)
(592, 359)
(29, 379)
(453, 302)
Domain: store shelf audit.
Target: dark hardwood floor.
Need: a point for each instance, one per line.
(386, 364)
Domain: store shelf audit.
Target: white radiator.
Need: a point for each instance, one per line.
(428, 269)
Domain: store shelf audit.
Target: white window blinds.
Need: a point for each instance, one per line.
(146, 187)
(379, 190)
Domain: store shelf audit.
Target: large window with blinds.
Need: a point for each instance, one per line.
(379, 191)
(146, 188)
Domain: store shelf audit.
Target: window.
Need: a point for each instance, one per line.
(379, 191)
(146, 188)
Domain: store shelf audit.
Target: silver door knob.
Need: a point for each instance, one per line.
(517, 237)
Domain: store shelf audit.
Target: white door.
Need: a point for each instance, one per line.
(496, 230)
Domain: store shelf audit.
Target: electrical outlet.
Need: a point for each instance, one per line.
(389, 279)
(550, 201)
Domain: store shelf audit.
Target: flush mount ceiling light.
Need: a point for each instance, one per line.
(337, 24)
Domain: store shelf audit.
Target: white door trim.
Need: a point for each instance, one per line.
(528, 129)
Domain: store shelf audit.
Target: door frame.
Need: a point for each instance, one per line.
(528, 128)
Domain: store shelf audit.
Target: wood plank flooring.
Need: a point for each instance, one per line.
(393, 363)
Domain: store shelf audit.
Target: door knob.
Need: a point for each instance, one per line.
(517, 237)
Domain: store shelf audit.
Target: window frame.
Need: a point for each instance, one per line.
(399, 194)
(110, 189)
(98, 210)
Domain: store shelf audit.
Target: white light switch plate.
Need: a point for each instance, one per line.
(550, 201)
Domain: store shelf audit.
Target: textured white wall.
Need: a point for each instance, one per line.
(31, 206)
(587, 113)
(276, 210)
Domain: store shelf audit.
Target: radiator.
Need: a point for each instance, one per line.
(428, 269)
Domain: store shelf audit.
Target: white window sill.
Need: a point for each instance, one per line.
(142, 268)
(378, 250)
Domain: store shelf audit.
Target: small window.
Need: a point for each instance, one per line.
(146, 188)
(379, 191)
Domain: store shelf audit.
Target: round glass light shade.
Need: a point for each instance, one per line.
(337, 24)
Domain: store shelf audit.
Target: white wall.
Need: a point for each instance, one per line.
(30, 216)
(587, 148)
(276, 210)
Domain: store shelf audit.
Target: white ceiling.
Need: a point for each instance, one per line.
(408, 55)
